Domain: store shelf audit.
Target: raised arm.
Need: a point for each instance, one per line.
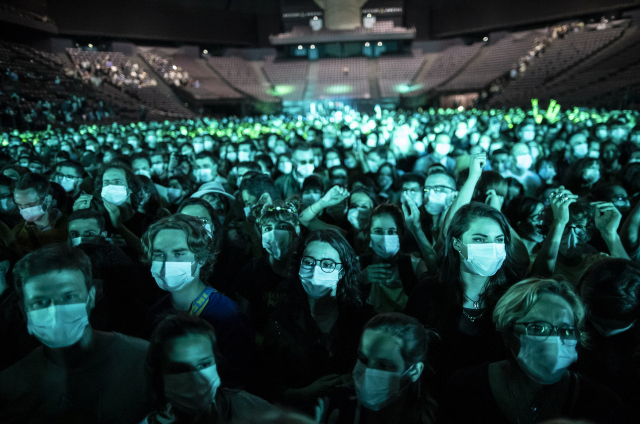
(607, 219)
(630, 228)
(412, 220)
(545, 263)
(476, 164)
(309, 217)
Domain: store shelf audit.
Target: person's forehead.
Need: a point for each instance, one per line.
(170, 239)
(28, 193)
(500, 157)
(550, 308)
(54, 283)
(411, 184)
(139, 162)
(439, 179)
(378, 345)
(385, 221)
(189, 348)
(484, 226)
(616, 190)
(303, 153)
(83, 224)
(197, 211)
(321, 250)
(114, 173)
(360, 198)
(443, 138)
(520, 149)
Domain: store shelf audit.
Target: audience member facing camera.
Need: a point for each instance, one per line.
(526, 217)
(388, 376)
(79, 373)
(610, 290)
(260, 287)
(390, 274)
(542, 323)
(86, 226)
(565, 250)
(311, 340)
(182, 255)
(43, 224)
(183, 363)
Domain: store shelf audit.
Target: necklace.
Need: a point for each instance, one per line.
(472, 319)
(476, 303)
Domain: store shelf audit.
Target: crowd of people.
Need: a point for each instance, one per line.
(429, 266)
(114, 68)
(172, 74)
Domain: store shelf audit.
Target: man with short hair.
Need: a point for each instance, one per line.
(521, 162)
(246, 150)
(207, 168)
(302, 159)
(69, 175)
(86, 226)
(441, 148)
(43, 224)
(141, 164)
(79, 374)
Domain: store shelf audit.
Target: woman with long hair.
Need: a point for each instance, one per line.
(312, 338)
(477, 264)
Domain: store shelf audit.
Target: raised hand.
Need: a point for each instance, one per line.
(607, 218)
(411, 213)
(560, 200)
(477, 163)
(494, 200)
(114, 213)
(334, 196)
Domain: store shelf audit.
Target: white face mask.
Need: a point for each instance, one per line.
(32, 214)
(58, 325)
(157, 168)
(524, 162)
(67, 184)
(76, 241)
(591, 175)
(385, 246)
(310, 198)
(580, 150)
(442, 149)
(232, 156)
(285, 167)
(192, 392)
(276, 242)
(116, 194)
(7, 205)
(198, 147)
(243, 156)
(437, 202)
(359, 218)
(318, 283)
(203, 175)
(143, 172)
(305, 170)
(545, 362)
(333, 162)
(376, 388)
(176, 274)
(484, 258)
(278, 150)
(528, 135)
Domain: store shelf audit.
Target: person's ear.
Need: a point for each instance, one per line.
(457, 244)
(416, 371)
(91, 300)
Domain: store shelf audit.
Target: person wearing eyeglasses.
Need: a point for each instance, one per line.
(69, 175)
(302, 158)
(566, 251)
(526, 217)
(439, 192)
(542, 324)
(311, 340)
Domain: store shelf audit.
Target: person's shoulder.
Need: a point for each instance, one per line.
(241, 399)
(131, 343)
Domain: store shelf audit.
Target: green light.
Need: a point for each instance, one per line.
(282, 90)
(406, 88)
(339, 89)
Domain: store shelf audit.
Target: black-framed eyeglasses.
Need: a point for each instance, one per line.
(327, 265)
(438, 189)
(620, 199)
(581, 230)
(540, 331)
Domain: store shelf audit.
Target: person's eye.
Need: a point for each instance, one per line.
(70, 296)
(205, 365)
(478, 240)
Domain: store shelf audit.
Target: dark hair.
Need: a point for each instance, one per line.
(490, 180)
(215, 224)
(198, 241)
(37, 182)
(411, 177)
(348, 289)
(512, 182)
(79, 168)
(170, 328)
(520, 208)
(313, 182)
(414, 349)
(449, 258)
(573, 180)
(132, 181)
(610, 288)
(629, 176)
(602, 190)
(301, 146)
(364, 190)
(394, 174)
(88, 214)
(51, 258)
(259, 184)
(394, 212)
(7, 182)
(250, 165)
(183, 181)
